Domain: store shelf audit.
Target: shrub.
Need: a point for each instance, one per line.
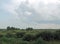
(57, 36)
(1, 35)
(9, 35)
(38, 35)
(20, 34)
(40, 41)
(29, 37)
(22, 42)
(47, 36)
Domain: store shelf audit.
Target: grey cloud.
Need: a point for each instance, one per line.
(42, 15)
(49, 13)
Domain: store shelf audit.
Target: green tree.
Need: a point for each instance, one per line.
(29, 28)
(8, 28)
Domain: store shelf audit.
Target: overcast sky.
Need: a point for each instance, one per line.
(30, 13)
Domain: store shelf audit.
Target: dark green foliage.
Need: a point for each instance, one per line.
(9, 35)
(47, 36)
(38, 35)
(1, 35)
(40, 41)
(29, 29)
(20, 34)
(8, 28)
(57, 35)
(12, 28)
(29, 37)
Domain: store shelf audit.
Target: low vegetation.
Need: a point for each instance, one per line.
(13, 35)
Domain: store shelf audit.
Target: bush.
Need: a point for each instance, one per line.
(38, 35)
(29, 37)
(9, 35)
(1, 35)
(20, 34)
(57, 36)
(40, 41)
(22, 42)
(47, 36)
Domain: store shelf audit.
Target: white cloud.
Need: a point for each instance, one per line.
(36, 4)
(29, 11)
(47, 9)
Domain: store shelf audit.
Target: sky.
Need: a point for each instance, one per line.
(30, 13)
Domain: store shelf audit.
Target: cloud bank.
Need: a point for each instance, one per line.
(32, 13)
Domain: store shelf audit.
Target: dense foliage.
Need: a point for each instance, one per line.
(13, 35)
